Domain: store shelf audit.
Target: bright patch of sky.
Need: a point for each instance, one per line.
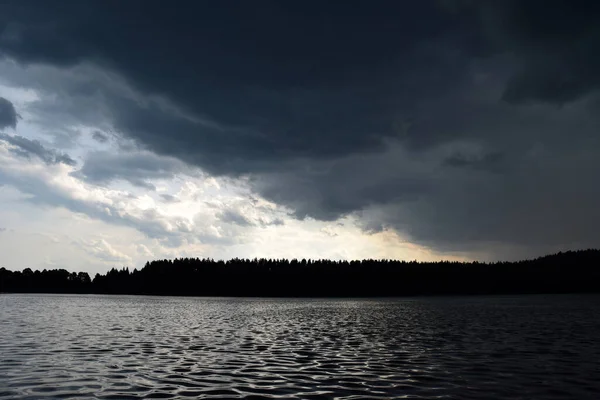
(56, 215)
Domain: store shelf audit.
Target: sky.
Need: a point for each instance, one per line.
(138, 130)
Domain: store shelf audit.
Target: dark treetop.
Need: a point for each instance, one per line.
(573, 271)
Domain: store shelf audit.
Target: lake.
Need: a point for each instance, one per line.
(121, 347)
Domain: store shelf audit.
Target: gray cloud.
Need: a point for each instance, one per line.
(136, 168)
(240, 107)
(24, 147)
(273, 222)
(65, 138)
(8, 114)
(232, 216)
(235, 216)
(554, 42)
(367, 112)
(169, 198)
(541, 209)
(99, 137)
(487, 162)
(328, 190)
(532, 196)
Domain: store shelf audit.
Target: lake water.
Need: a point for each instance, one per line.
(121, 347)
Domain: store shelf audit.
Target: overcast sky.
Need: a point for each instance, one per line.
(135, 130)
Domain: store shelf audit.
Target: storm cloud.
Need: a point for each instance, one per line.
(136, 168)
(8, 114)
(464, 125)
(27, 148)
(100, 137)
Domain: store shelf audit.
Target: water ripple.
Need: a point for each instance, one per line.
(126, 347)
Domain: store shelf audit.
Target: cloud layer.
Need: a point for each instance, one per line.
(473, 132)
(27, 148)
(8, 114)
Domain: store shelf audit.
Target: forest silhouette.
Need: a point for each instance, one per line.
(565, 272)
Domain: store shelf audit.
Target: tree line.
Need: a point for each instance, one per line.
(565, 272)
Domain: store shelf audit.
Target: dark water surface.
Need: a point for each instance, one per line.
(120, 347)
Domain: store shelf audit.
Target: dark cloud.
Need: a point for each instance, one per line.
(264, 81)
(528, 199)
(99, 137)
(359, 108)
(24, 147)
(486, 162)
(555, 42)
(8, 114)
(251, 83)
(545, 206)
(136, 168)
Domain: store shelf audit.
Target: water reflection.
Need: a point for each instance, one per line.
(160, 347)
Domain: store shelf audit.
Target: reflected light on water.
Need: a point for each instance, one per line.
(124, 347)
